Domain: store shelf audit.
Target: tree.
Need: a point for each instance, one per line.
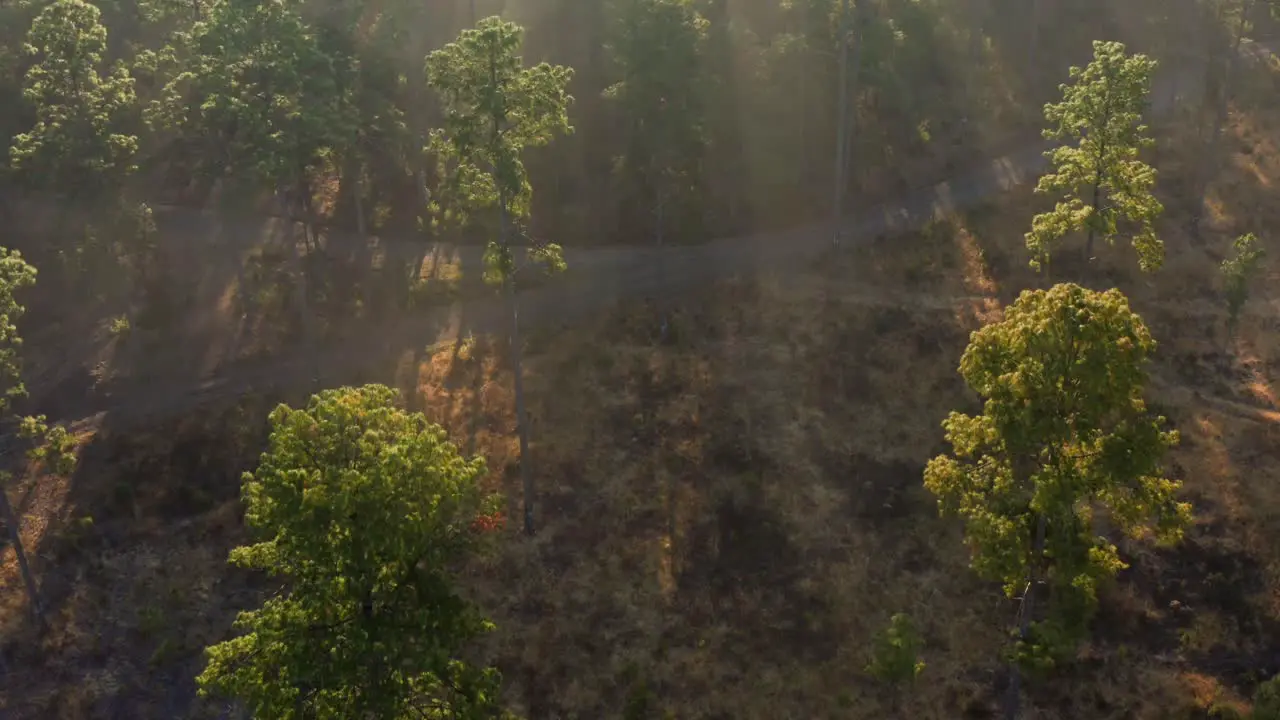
(896, 652)
(657, 46)
(1266, 701)
(74, 146)
(364, 509)
(1237, 271)
(494, 108)
(56, 453)
(252, 84)
(1098, 175)
(1225, 85)
(1064, 434)
(251, 87)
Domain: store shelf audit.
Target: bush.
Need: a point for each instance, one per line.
(895, 654)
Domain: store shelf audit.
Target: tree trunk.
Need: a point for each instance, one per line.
(1013, 695)
(1097, 199)
(659, 241)
(1033, 32)
(301, 289)
(362, 239)
(15, 537)
(837, 200)
(1209, 165)
(517, 369)
(855, 86)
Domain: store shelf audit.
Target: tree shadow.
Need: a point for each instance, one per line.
(132, 569)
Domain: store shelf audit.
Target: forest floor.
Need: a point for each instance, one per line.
(729, 514)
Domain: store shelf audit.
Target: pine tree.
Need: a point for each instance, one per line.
(494, 109)
(1063, 434)
(1097, 174)
(657, 45)
(75, 147)
(1237, 271)
(363, 509)
(252, 84)
(57, 447)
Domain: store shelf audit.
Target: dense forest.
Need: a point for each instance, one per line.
(598, 358)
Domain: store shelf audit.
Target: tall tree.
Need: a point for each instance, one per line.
(494, 109)
(656, 45)
(364, 509)
(251, 87)
(1237, 14)
(75, 147)
(56, 451)
(1064, 434)
(1097, 174)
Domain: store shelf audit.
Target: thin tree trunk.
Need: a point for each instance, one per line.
(837, 200)
(517, 368)
(1209, 166)
(301, 288)
(15, 537)
(661, 264)
(362, 239)
(855, 87)
(1033, 45)
(1013, 696)
(1097, 198)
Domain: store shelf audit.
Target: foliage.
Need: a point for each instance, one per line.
(74, 146)
(657, 46)
(252, 82)
(1097, 174)
(1266, 701)
(54, 445)
(896, 652)
(1237, 271)
(15, 274)
(1064, 434)
(494, 108)
(365, 510)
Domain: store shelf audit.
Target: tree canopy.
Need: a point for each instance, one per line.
(1237, 271)
(494, 108)
(364, 509)
(1097, 174)
(1064, 434)
(75, 145)
(252, 83)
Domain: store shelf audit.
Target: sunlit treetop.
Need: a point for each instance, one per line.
(75, 146)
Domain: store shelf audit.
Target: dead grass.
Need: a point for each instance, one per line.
(728, 517)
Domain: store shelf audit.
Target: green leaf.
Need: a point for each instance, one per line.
(1064, 433)
(1104, 188)
(494, 109)
(364, 509)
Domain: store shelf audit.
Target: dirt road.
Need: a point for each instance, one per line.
(596, 278)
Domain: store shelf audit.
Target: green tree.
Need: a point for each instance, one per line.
(1097, 174)
(56, 451)
(656, 45)
(896, 652)
(251, 88)
(1063, 435)
(1224, 62)
(1266, 701)
(364, 509)
(1237, 271)
(494, 109)
(75, 146)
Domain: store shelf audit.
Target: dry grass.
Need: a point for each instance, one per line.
(729, 516)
